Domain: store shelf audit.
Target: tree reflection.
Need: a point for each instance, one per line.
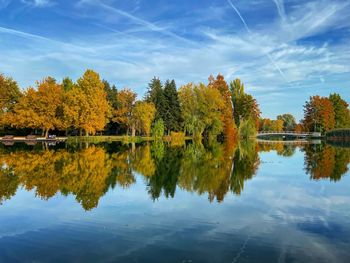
(213, 169)
(324, 161)
(246, 163)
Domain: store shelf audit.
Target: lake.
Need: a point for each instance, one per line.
(157, 202)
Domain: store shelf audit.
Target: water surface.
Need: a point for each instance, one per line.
(239, 202)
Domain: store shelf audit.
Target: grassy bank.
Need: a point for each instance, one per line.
(115, 138)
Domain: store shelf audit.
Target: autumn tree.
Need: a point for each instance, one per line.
(9, 96)
(341, 111)
(143, 114)
(244, 105)
(319, 114)
(202, 109)
(123, 113)
(227, 112)
(39, 109)
(289, 122)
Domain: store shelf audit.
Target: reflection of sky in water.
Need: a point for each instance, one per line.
(281, 215)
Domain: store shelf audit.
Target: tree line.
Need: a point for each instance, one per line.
(321, 114)
(91, 105)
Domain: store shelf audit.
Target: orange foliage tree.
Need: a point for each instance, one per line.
(227, 114)
(319, 114)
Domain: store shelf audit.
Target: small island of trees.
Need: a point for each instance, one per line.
(92, 106)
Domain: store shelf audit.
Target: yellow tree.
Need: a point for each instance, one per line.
(24, 114)
(123, 113)
(39, 109)
(95, 117)
(142, 117)
(48, 103)
(85, 105)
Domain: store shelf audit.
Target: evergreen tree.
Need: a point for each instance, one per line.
(67, 84)
(112, 94)
(173, 117)
(155, 94)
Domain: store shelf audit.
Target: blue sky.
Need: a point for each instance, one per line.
(283, 50)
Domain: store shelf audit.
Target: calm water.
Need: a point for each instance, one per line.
(174, 203)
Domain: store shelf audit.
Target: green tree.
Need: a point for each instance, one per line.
(202, 109)
(341, 111)
(173, 117)
(289, 122)
(67, 84)
(245, 105)
(247, 129)
(155, 94)
(9, 96)
(158, 129)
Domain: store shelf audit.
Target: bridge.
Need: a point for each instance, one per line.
(290, 134)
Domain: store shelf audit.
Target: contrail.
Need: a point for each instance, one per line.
(248, 30)
(240, 16)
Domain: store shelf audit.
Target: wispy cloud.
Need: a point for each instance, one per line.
(129, 46)
(38, 3)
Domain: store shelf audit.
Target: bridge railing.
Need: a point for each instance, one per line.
(290, 132)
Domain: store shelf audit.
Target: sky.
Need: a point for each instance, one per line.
(283, 50)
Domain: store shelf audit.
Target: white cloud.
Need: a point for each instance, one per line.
(38, 3)
(134, 55)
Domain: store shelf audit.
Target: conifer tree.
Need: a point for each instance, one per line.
(155, 94)
(173, 117)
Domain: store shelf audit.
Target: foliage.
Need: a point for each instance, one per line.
(319, 114)
(338, 133)
(173, 117)
(202, 108)
(341, 111)
(247, 129)
(143, 114)
(158, 129)
(271, 125)
(39, 109)
(229, 127)
(155, 94)
(123, 113)
(244, 105)
(289, 122)
(9, 95)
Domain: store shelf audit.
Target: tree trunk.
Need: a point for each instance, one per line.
(133, 131)
(47, 133)
(43, 133)
(80, 132)
(86, 133)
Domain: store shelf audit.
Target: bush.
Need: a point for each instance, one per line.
(158, 129)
